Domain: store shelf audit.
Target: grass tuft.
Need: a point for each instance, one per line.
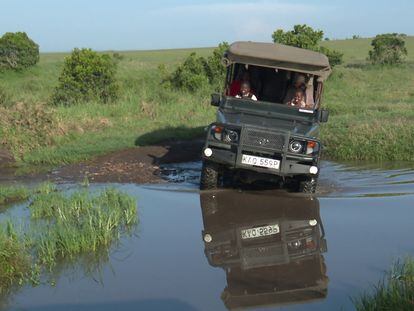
(395, 292)
(15, 262)
(60, 229)
(10, 194)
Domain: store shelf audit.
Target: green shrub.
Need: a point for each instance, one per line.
(117, 56)
(191, 74)
(197, 72)
(86, 76)
(17, 51)
(305, 37)
(388, 49)
(302, 36)
(216, 71)
(335, 57)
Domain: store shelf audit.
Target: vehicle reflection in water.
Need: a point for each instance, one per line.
(270, 247)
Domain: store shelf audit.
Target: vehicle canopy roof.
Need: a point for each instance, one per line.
(279, 56)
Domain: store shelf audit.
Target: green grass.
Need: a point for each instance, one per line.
(60, 229)
(15, 261)
(395, 292)
(9, 194)
(79, 223)
(371, 109)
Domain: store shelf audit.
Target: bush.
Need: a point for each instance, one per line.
(335, 57)
(302, 36)
(191, 75)
(305, 37)
(197, 72)
(388, 49)
(17, 51)
(216, 71)
(86, 76)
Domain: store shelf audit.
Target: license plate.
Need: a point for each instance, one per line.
(259, 161)
(258, 232)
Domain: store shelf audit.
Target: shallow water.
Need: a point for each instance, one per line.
(323, 250)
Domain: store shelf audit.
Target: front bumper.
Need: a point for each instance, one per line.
(230, 156)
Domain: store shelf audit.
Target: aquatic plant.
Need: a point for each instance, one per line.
(80, 222)
(10, 194)
(60, 229)
(394, 292)
(16, 265)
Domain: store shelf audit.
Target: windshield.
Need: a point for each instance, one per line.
(255, 83)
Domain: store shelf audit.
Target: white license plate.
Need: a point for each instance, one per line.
(259, 161)
(258, 232)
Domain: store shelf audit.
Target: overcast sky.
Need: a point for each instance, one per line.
(61, 25)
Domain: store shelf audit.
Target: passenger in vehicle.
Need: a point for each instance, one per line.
(245, 91)
(235, 86)
(298, 84)
(298, 100)
(298, 90)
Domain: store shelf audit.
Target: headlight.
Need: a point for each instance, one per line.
(225, 135)
(310, 147)
(230, 136)
(296, 146)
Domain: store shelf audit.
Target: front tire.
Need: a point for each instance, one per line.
(209, 176)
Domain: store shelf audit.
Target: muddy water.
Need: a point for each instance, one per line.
(201, 252)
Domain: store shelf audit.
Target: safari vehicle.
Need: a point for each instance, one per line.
(265, 138)
(269, 246)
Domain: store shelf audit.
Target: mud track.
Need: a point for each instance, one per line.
(133, 165)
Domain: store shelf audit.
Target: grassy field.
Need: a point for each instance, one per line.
(371, 109)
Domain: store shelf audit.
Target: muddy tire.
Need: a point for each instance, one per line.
(308, 185)
(209, 176)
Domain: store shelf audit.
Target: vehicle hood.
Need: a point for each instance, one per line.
(268, 122)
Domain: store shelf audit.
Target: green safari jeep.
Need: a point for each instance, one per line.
(268, 117)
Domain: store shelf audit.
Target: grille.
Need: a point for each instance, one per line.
(262, 256)
(268, 140)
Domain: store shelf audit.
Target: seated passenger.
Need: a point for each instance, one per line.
(298, 100)
(235, 86)
(298, 84)
(245, 92)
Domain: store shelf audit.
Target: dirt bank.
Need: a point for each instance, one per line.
(134, 165)
(6, 158)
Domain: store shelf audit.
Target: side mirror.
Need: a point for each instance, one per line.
(323, 115)
(215, 99)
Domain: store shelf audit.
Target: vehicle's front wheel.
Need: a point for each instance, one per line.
(308, 185)
(209, 176)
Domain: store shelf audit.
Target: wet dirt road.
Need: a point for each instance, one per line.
(234, 249)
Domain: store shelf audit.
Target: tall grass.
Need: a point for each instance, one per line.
(80, 223)
(395, 292)
(9, 194)
(16, 266)
(60, 229)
